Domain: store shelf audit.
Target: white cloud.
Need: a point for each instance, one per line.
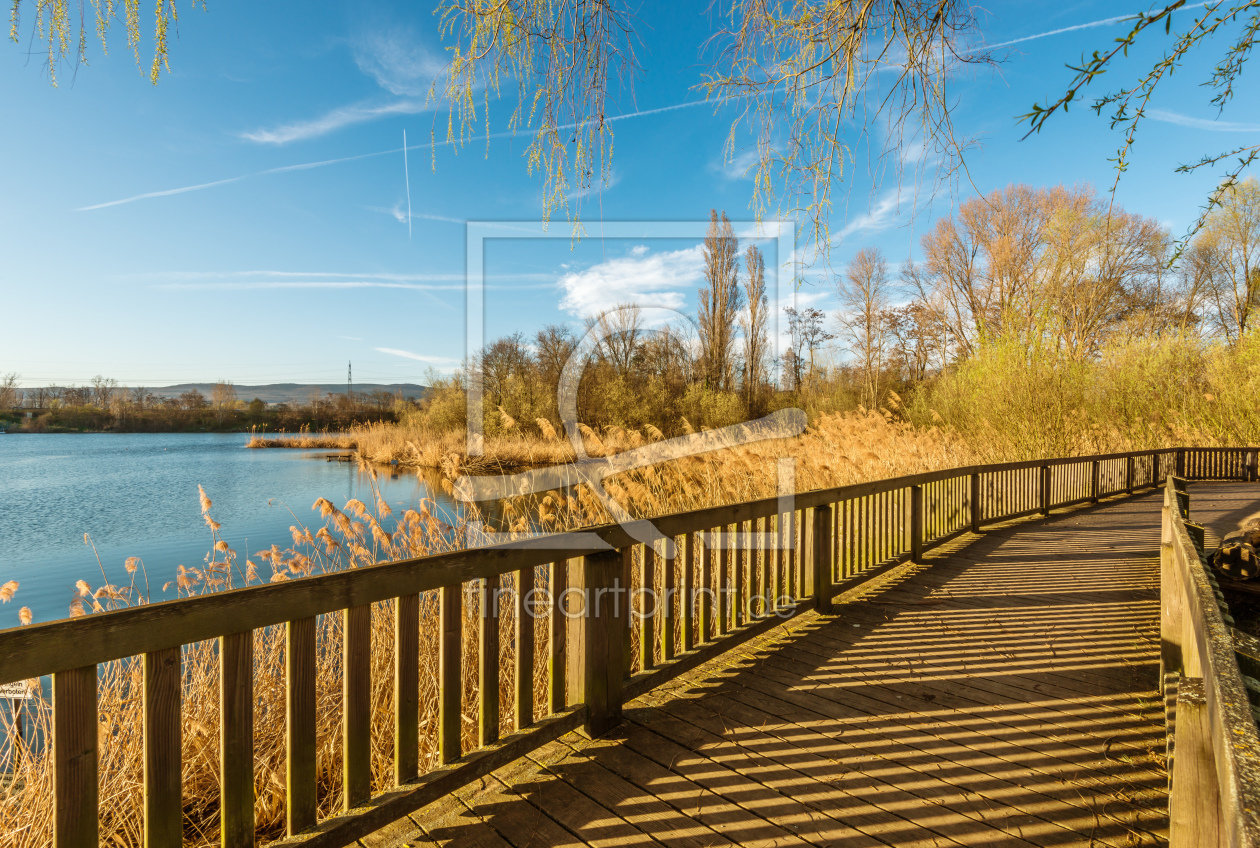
(644, 278)
(343, 116)
(884, 214)
(1167, 117)
(418, 357)
(741, 166)
(396, 59)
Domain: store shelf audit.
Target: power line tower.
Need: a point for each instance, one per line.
(349, 380)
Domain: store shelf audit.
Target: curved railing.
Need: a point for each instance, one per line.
(723, 575)
(1214, 747)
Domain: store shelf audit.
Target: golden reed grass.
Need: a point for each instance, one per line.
(836, 450)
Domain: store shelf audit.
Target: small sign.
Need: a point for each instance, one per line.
(16, 691)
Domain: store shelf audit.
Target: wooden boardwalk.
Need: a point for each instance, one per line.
(1003, 694)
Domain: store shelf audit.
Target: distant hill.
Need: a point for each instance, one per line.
(295, 393)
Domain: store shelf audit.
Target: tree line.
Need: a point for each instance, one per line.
(1058, 272)
(102, 404)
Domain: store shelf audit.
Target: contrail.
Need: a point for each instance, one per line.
(407, 180)
(326, 162)
(1090, 25)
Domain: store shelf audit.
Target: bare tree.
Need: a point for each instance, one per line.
(222, 398)
(863, 293)
(1226, 260)
(103, 389)
(753, 325)
(720, 302)
(619, 330)
(10, 394)
(807, 334)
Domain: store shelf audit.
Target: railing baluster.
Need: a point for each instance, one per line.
(75, 787)
(488, 664)
(704, 588)
(916, 524)
(688, 591)
(603, 643)
(557, 626)
(406, 688)
(669, 562)
(356, 683)
(163, 807)
(975, 502)
(724, 579)
(236, 739)
(822, 558)
(647, 624)
(450, 674)
(743, 548)
(299, 731)
(524, 649)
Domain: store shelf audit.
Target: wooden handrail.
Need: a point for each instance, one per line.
(725, 573)
(1214, 775)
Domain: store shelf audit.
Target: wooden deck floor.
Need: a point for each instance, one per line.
(1004, 694)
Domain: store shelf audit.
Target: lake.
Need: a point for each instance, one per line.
(136, 495)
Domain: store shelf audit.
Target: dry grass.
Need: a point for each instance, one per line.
(836, 450)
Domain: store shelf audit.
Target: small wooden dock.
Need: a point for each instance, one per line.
(345, 456)
(1004, 693)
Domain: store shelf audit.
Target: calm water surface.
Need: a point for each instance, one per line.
(136, 495)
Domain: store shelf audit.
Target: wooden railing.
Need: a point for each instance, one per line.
(726, 574)
(1213, 744)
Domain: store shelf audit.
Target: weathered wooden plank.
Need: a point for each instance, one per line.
(356, 689)
(386, 807)
(163, 808)
(75, 779)
(406, 688)
(704, 588)
(236, 739)
(916, 524)
(450, 674)
(524, 609)
(488, 664)
(300, 729)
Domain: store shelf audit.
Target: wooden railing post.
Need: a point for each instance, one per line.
(557, 629)
(356, 723)
(975, 502)
(525, 610)
(916, 524)
(1045, 490)
(236, 739)
(1251, 465)
(1154, 469)
(488, 663)
(163, 809)
(1093, 481)
(605, 617)
(1128, 475)
(1181, 463)
(300, 725)
(450, 674)
(406, 690)
(822, 558)
(75, 788)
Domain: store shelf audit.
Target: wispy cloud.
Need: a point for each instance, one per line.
(253, 285)
(393, 151)
(883, 215)
(336, 119)
(395, 57)
(418, 357)
(1099, 23)
(332, 281)
(642, 277)
(739, 167)
(1166, 117)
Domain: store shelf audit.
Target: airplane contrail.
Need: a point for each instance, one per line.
(407, 180)
(327, 162)
(1090, 25)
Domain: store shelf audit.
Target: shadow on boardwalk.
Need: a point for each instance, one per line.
(1003, 694)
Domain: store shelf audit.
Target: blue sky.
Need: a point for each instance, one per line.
(295, 255)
